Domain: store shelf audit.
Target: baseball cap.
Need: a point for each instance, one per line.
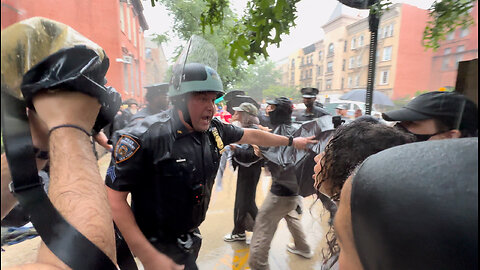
(342, 107)
(247, 107)
(309, 92)
(444, 106)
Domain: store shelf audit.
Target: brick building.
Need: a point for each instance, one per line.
(339, 62)
(115, 25)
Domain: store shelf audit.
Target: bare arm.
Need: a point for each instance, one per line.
(263, 138)
(76, 187)
(136, 240)
(102, 139)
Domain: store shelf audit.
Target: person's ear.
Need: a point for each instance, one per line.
(451, 134)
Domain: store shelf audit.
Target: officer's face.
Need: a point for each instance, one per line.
(202, 108)
(308, 101)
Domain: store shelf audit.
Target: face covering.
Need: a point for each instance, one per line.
(418, 137)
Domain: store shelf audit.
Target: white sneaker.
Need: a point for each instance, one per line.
(234, 237)
(291, 248)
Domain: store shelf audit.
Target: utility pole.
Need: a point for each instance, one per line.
(373, 20)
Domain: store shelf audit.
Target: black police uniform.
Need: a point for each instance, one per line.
(141, 114)
(316, 113)
(170, 173)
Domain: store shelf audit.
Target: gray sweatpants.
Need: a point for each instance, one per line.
(273, 209)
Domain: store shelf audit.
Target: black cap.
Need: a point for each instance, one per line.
(447, 107)
(281, 101)
(131, 101)
(309, 92)
(158, 87)
(233, 93)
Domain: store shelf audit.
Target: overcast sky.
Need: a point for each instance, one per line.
(311, 15)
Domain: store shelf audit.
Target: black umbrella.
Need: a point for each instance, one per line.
(360, 94)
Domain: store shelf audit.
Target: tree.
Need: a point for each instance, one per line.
(275, 91)
(267, 20)
(258, 77)
(187, 22)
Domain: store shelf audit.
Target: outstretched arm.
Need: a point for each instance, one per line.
(263, 138)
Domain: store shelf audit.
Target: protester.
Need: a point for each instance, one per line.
(59, 119)
(339, 159)
(249, 170)
(123, 117)
(168, 163)
(437, 115)
(412, 207)
(282, 201)
(312, 111)
(342, 110)
(358, 113)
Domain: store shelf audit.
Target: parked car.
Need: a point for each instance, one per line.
(352, 107)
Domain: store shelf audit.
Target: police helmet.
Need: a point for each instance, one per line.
(197, 77)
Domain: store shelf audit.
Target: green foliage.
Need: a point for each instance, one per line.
(445, 17)
(187, 15)
(380, 7)
(160, 38)
(275, 91)
(257, 78)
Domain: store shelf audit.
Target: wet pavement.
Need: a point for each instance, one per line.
(215, 253)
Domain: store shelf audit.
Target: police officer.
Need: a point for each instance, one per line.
(157, 101)
(312, 111)
(168, 163)
(122, 118)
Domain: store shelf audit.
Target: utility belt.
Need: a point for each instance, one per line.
(185, 241)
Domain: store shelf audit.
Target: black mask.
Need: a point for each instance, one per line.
(418, 137)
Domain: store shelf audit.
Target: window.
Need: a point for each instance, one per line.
(129, 26)
(359, 61)
(122, 18)
(292, 78)
(303, 59)
(320, 55)
(330, 67)
(451, 35)
(132, 77)
(385, 32)
(125, 78)
(360, 41)
(460, 48)
(319, 70)
(293, 63)
(387, 53)
(345, 46)
(357, 80)
(349, 82)
(377, 56)
(137, 77)
(328, 84)
(330, 49)
(351, 62)
(447, 51)
(384, 77)
(134, 33)
(301, 74)
(390, 31)
(380, 32)
(343, 65)
(445, 63)
(464, 32)
(352, 45)
(343, 80)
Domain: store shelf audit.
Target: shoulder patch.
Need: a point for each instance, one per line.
(125, 148)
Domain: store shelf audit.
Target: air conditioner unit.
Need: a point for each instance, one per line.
(127, 59)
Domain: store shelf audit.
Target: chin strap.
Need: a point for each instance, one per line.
(66, 242)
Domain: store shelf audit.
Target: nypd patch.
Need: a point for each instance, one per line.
(125, 148)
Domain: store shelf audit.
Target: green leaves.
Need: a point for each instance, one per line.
(445, 17)
(263, 25)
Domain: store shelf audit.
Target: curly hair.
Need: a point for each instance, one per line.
(349, 146)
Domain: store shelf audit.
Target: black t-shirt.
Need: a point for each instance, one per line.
(169, 172)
